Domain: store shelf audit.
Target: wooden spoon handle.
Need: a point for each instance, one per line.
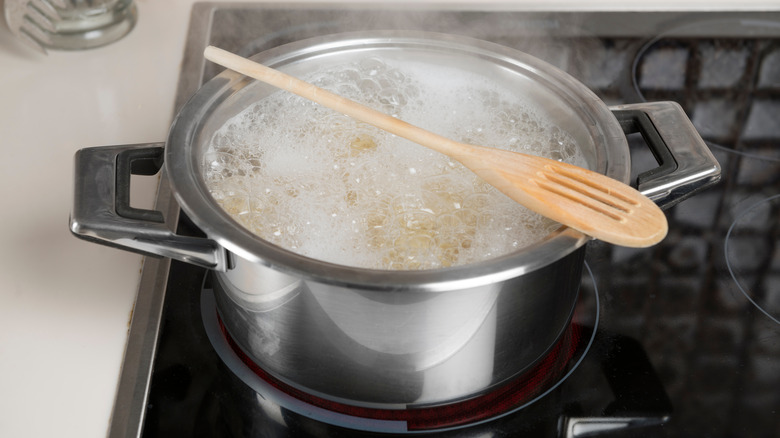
(333, 101)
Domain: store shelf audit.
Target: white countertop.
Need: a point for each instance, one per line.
(65, 304)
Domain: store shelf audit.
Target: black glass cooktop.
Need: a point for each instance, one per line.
(687, 333)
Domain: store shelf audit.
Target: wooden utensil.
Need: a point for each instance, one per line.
(587, 201)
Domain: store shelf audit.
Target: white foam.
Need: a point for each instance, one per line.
(325, 186)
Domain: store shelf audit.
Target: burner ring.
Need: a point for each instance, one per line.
(505, 400)
(759, 299)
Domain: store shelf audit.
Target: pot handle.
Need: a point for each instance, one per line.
(686, 165)
(102, 212)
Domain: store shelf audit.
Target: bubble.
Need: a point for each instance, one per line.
(326, 186)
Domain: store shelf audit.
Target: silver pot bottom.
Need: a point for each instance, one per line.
(402, 348)
(525, 389)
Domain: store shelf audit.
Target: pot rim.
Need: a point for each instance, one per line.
(183, 168)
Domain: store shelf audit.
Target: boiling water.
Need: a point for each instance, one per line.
(325, 186)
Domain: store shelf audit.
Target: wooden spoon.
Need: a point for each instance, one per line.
(587, 201)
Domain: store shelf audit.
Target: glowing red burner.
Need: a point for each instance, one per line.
(499, 401)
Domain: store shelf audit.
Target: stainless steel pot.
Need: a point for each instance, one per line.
(384, 338)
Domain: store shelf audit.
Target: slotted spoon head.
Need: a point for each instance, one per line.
(594, 204)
